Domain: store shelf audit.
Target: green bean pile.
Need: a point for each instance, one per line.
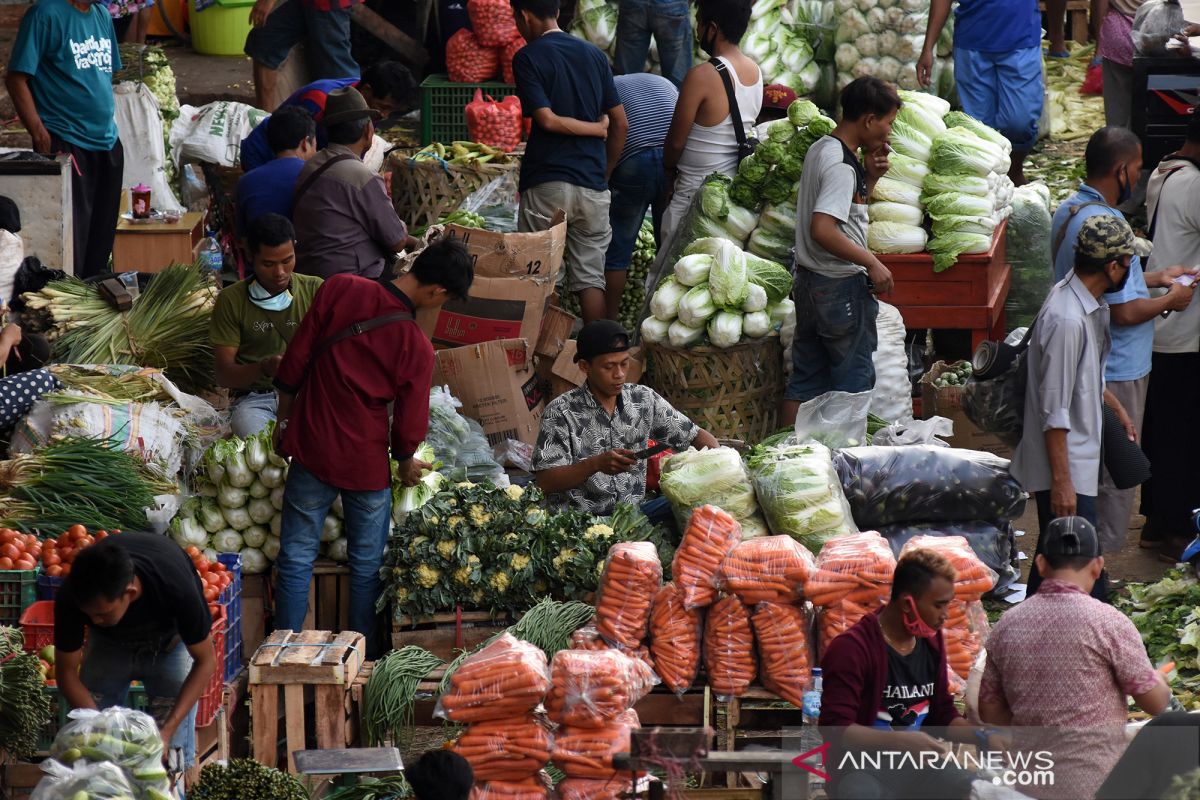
(392, 690)
(24, 708)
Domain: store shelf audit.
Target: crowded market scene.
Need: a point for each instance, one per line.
(599, 399)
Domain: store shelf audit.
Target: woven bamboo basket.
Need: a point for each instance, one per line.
(423, 190)
(731, 392)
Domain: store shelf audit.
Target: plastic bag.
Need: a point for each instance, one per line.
(140, 125)
(800, 493)
(709, 536)
(514, 453)
(459, 442)
(469, 61)
(94, 781)
(715, 477)
(891, 398)
(507, 53)
(729, 648)
(771, 569)
(213, 133)
(856, 568)
(588, 638)
(590, 688)
(916, 431)
(510, 749)
(965, 631)
(495, 123)
(1028, 250)
(919, 483)
(493, 21)
(632, 574)
(675, 639)
(505, 680)
(588, 752)
(583, 789)
(973, 580)
(128, 739)
(1155, 24)
(785, 653)
(535, 788)
(835, 419)
(993, 545)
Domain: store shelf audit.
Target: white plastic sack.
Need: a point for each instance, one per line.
(12, 253)
(373, 158)
(891, 398)
(213, 133)
(139, 123)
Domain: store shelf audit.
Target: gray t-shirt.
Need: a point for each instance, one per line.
(833, 182)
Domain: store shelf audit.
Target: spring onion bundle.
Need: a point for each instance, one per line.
(24, 707)
(112, 387)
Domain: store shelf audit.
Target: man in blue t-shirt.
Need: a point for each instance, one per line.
(566, 85)
(997, 67)
(1114, 161)
(60, 80)
(292, 136)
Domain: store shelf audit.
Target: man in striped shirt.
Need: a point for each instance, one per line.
(638, 181)
(280, 25)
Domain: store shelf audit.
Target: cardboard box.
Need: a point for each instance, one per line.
(497, 386)
(566, 374)
(515, 255)
(947, 402)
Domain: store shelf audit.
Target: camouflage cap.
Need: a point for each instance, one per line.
(1104, 238)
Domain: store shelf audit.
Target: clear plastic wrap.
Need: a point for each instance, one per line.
(835, 419)
(583, 789)
(1027, 248)
(891, 398)
(715, 477)
(632, 574)
(458, 442)
(675, 639)
(588, 752)
(965, 633)
(800, 493)
(505, 680)
(858, 568)
(1155, 24)
(511, 749)
(126, 738)
(919, 483)
(729, 647)
(974, 578)
(772, 569)
(709, 537)
(992, 544)
(590, 688)
(102, 780)
(588, 638)
(784, 650)
(538, 787)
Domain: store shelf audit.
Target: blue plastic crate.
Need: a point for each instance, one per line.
(47, 587)
(231, 599)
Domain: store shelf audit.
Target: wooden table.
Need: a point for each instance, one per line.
(154, 246)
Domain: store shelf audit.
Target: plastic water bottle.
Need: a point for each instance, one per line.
(810, 736)
(211, 255)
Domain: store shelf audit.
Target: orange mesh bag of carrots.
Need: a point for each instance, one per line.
(492, 21)
(857, 567)
(785, 665)
(505, 680)
(769, 569)
(505, 749)
(588, 752)
(535, 788)
(468, 61)
(583, 789)
(729, 647)
(632, 574)
(709, 537)
(973, 579)
(590, 688)
(675, 639)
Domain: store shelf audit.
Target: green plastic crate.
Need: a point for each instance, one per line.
(138, 701)
(18, 591)
(443, 104)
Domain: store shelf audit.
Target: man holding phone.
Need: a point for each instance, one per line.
(594, 441)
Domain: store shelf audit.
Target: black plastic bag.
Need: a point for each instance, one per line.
(32, 276)
(994, 544)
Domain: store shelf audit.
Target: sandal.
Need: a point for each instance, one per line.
(1060, 54)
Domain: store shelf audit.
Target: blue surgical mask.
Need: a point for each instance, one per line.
(268, 302)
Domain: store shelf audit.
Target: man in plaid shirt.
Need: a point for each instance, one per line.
(279, 25)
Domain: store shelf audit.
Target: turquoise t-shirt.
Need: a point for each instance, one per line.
(70, 56)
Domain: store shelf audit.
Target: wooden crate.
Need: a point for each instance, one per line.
(225, 737)
(254, 611)
(20, 778)
(308, 657)
(328, 597)
(446, 635)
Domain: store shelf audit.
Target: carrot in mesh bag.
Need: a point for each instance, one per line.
(964, 633)
(589, 688)
(588, 638)
(729, 647)
(857, 567)
(632, 574)
(505, 680)
(973, 579)
(835, 620)
(583, 789)
(535, 788)
(709, 537)
(783, 649)
(769, 569)
(675, 639)
(588, 752)
(506, 749)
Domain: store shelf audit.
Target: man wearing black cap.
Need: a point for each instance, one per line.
(1060, 664)
(344, 218)
(585, 454)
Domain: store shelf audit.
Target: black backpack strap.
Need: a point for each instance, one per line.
(357, 329)
(1062, 232)
(735, 113)
(1163, 185)
(318, 172)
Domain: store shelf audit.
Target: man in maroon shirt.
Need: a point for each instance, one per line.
(357, 351)
(885, 696)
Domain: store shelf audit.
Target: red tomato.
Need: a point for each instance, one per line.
(51, 559)
(66, 570)
(54, 571)
(6, 562)
(192, 551)
(101, 535)
(211, 594)
(10, 550)
(25, 562)
(77, 531)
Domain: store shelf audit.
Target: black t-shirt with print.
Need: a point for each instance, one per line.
(906, 695)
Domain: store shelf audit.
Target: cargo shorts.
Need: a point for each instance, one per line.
(589, 230)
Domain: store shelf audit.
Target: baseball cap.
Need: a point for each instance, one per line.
(1071, 536)
(600, 337)
(778, 96)
(1103, 238)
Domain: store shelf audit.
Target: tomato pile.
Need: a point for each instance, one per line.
(57, 555)
(213, 574)
(18, 550)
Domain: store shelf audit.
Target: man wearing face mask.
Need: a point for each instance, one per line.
(1114, 160)
(1058, 457)
(255, 319)
(886, 692)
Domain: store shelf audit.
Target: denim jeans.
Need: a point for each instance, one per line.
(251, 412)
(670, 24)
(635, 185)
(834, 344)
(108, 667)
(326, 36)
(367, 520)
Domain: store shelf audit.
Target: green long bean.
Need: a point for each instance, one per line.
(392, 690)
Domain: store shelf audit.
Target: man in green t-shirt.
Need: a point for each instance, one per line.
(255, 319)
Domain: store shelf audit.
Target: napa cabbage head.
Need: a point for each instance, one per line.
(654, 330)
(725, 328)
(774, 278)
(951, 223)
(956, 184)
(906, 170)
(714, 476)
(756, 324)
(727, 280)
(693, 270)
(681, 335)
(714, 196)
(910, 141)
(740, 222)
(929, 103)
(947, 249)
(960, 152)
(915, 115)
(890, 190)
(885, 211)
(664, 303)
(961, 119)
(962, 205)
(756, 299)
(696, 306)
(895, 237)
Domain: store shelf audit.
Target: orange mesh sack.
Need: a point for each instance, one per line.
(729, 647)
(493, 21)
(468, 61)
(588, 752)
(632, 574)
(495, 123)
(507, 53)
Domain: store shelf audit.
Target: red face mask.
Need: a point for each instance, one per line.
(915, 624)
